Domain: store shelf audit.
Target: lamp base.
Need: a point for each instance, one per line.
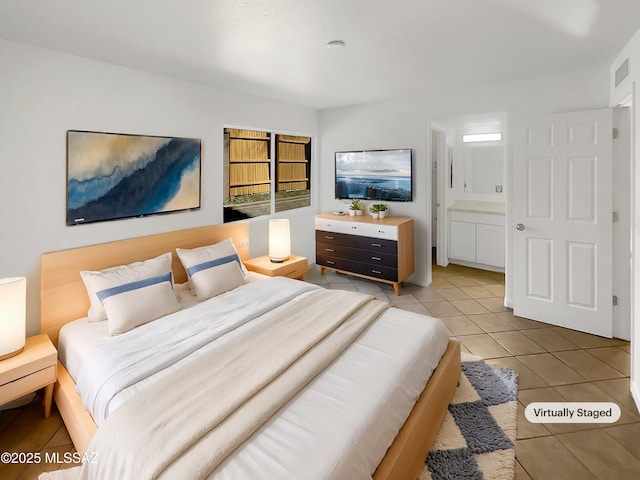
(12, 354)
(278, 260)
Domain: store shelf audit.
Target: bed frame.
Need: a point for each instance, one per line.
(64, 299)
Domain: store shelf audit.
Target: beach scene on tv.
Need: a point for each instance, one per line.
(374, 175)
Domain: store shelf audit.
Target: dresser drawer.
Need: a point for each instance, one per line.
(365, 243)
(376, 230)
(296, 271)
(376, 271)
(29, 383)
(367, 256)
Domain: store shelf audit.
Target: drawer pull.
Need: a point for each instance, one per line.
(376, 271)
(330, 262)
(376, 245)
(330, 238)
(329, 250)
(376, 258)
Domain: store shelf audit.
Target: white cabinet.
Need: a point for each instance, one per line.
(462, 241)
(476, 239)
(490, 244)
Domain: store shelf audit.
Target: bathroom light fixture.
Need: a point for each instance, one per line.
(482, 137)
(336, 44)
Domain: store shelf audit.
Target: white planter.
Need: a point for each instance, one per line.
(382, 214)
(359, 212)
(352, 213)
(375, 215)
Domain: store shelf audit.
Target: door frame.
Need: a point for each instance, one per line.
(442, 256)
(622, 229)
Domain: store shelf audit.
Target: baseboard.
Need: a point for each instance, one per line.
(508, 302)
(478, 266)
(635, 393)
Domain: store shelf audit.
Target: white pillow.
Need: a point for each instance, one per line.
(95, 281)
(214, 281)
(133, 304)
(213, 269)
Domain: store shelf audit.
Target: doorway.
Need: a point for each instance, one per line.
(437, 149)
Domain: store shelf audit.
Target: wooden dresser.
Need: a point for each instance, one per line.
(376, 249)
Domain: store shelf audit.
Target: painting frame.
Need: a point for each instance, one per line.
(112, 176)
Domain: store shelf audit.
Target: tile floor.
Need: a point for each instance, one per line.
(554, 364)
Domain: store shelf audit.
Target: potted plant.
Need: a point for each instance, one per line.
(375, 210)
(356, 207)
(378, 210)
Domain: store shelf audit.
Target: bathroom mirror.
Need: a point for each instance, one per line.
(483, 168)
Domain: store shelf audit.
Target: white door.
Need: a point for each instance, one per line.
(562, 193)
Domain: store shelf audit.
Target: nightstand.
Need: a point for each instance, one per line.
(293, 267)
(30, 370)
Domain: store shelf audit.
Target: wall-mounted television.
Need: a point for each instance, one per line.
(374, 175)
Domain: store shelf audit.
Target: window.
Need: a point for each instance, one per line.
(250, 160)
(482, 137)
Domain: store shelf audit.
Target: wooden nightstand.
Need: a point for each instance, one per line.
(30, 370)
(294, 267)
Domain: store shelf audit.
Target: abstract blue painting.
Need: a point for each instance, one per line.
(114, 175)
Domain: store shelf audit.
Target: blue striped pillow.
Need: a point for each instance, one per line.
(213, 269)
(135, 303)
(96, 281)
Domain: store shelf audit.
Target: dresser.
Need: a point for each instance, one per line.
(375, 249)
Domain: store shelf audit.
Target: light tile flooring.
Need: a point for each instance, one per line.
(553, 364)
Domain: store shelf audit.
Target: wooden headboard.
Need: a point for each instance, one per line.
(63, 297)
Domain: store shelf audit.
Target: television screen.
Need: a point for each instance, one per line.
(374, 175)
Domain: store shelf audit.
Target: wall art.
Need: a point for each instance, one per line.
(115, 175)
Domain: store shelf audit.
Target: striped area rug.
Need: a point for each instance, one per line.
(478, 435)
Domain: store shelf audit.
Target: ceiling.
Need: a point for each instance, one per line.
(277, 48)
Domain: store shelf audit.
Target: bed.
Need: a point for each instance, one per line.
(64, 300)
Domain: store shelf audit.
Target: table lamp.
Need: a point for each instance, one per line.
(13, 306)
(279, 240)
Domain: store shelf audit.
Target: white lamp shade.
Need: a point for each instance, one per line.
(13, 307)
(279, 240)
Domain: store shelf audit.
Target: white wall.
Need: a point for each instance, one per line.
(402, 123)
(626, 93)
(43, 94)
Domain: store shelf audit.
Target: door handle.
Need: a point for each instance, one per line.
(519, 227)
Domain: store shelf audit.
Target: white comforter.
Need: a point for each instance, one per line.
(338, 427)
(241, 383)
(122, 362)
